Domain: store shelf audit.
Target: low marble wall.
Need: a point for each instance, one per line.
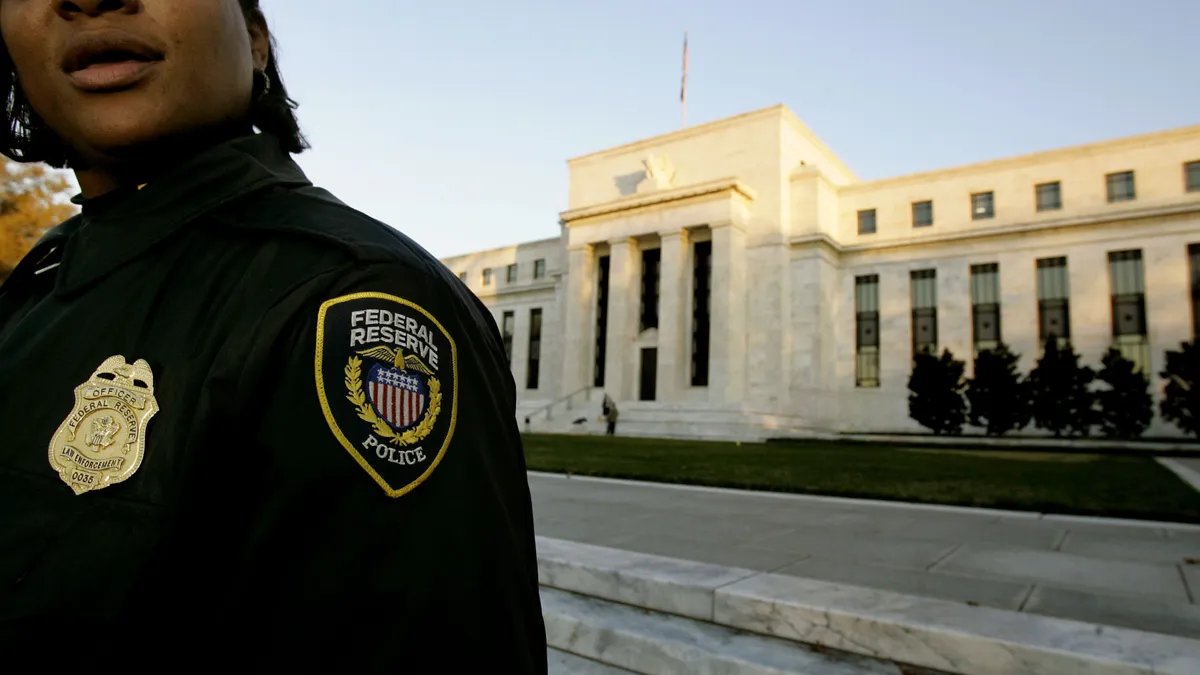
(924, 632)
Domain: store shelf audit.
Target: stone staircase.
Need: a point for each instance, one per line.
(624, 639)
(559, 416)
(609, 611)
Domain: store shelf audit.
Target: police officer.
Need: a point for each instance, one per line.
(242, 423)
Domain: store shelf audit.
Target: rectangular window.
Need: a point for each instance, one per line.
(866, 341)
(701, 311)
(539, 268)
(1120, 186)
(533, 369)
(923, 289)
(506, 334)
(983, 206)
(487, 276)
(985, 306)
(650, 260)
(1054, 304)
(922, 214)
(1191, 176)
(1194, 263)
(510, 275)
(1126, 278)
(649, 375)
(1049, 196)
(601, 320)
(866, 221)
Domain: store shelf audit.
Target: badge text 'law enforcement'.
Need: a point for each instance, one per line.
(387, 378)
(103, 439)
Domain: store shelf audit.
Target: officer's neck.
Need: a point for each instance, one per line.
(97, 182)
(105, 175)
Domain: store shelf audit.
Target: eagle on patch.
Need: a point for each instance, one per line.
(397, 358)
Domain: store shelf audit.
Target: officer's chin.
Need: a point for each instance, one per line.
(141, 134)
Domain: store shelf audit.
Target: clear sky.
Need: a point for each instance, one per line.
(453, 120)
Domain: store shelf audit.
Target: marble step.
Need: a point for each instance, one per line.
(564, 663)
(654, 643)
(930, 633)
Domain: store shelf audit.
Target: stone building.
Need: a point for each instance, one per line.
(736, 279)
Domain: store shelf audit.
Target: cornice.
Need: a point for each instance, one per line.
(680, 134)
(1031, 159)
(1002, 231)
(516, 289)
(665, 196)
(499, 249)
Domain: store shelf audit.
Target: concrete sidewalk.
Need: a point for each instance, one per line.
(1129, 574)
(1188, 470)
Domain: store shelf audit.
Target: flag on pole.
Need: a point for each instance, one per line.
(683, 85)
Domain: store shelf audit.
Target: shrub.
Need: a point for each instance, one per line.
(1125, 407)
(1058, 392)
(997, 393)
(1180, 404)
(936, 398)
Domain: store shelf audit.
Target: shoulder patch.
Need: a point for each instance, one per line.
(387, 379)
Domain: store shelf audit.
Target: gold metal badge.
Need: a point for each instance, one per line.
(102, 441)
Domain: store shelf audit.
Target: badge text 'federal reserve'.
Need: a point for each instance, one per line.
(370, 326)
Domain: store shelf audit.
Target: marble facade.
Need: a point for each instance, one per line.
(781, 213)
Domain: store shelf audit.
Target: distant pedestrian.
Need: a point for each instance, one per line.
(610, 415)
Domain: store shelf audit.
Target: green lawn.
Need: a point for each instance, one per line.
(1100, 485)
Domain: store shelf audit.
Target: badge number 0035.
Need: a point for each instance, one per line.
(387, 380)
(103, 439)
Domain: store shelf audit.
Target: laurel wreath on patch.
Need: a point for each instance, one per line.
(367, 413)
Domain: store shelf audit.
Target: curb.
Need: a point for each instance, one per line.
(882, 503)
(947, 636)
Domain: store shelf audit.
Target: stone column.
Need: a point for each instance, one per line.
(623, 303)
(1168, 284)
(895, 330)
(727, 346)
(766, 295)
(520, 346)
(954, 322)
(1019, 306)
(1091, 303)
(578, 319)
(674, 353)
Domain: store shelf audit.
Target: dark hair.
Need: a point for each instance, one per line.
(24, 137)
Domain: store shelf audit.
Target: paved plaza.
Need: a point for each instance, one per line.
(1133, 575)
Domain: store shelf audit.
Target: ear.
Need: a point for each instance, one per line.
(260, 38)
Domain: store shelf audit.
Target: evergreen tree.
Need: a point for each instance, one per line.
(997, 394)
(1181, 400)
(1125, 406)
(1059, 392)
(936, 401)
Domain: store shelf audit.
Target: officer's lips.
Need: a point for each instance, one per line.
(109, 61)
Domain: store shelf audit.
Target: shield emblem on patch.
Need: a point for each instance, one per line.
(398, 396)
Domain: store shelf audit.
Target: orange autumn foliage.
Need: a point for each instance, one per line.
(32, 200)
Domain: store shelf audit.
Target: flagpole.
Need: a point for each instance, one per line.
(683, 86)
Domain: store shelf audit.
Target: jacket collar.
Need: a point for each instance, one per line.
(115, 229)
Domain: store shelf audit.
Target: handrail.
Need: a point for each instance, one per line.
(550, 406)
